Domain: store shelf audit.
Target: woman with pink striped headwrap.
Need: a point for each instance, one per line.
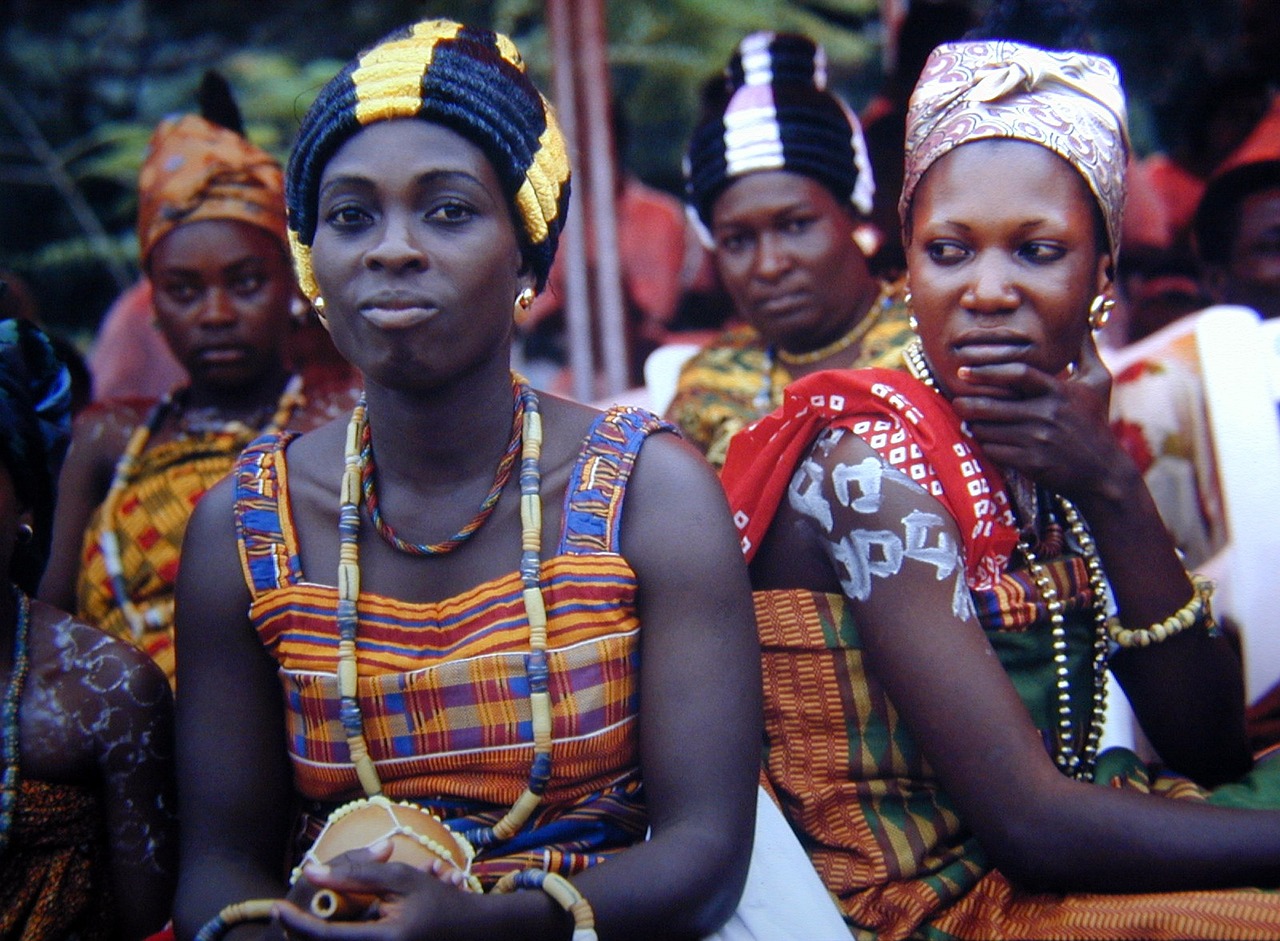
(949, 563)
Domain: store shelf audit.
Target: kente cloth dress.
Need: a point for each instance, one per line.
(882, 833)
(149, 520)
(443, 686)
(734, 380)
(54, 883)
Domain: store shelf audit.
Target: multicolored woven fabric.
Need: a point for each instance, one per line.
(149, 522)
(1158, 412)
(54, 881)
(443, 686)
(882, 833)
(718, 393)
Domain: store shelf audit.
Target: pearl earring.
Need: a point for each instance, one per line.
(317, 304)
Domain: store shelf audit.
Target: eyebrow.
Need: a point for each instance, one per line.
(427, 178)
(1027, 224)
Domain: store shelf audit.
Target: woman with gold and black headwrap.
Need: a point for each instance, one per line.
(441, 600)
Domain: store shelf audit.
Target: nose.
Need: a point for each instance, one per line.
(396, 247)
(991, 289)
(218, 309)
(772, 258)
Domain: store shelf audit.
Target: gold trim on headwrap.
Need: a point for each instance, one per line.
(385, 88)
(1070, 102)
(196, 170)
(538, 198)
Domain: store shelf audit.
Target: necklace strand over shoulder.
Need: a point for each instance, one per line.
(1078, 763)
(291, 399)
(369, 478)
(12, 703)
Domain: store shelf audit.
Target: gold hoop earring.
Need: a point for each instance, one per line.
(524, 300)
(26, 534)
(1100, 311)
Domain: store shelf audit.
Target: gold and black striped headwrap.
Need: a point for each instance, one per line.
(470, 80)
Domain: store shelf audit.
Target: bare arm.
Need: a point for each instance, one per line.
(700, 743)
(136, 763)
(97, 441)
(1041, 828)
(1187, 692)
(233, 771)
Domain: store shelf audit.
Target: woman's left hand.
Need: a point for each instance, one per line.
(1053, 429)
(408, 902)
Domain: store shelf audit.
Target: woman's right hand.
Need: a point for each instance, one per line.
(391, 900)
(1054, 430)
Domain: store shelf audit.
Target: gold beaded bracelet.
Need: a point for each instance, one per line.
(1187, 616)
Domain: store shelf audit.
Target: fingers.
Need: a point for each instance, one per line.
(1003, 380)
(300, 925)
(447, 872)
(365, 870)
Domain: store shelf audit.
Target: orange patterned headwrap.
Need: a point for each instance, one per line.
(196, 170)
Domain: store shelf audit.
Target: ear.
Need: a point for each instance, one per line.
(1105, 275)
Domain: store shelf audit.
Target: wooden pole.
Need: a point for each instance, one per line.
(594, 86)
(577, 301)
(594, 302)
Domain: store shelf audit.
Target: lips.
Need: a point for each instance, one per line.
(781, 304)
(992, 346)
(397, 311)
(222, 355)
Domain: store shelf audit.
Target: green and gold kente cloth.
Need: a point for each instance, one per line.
(719, 390)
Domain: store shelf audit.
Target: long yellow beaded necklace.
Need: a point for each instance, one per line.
(350, 712)
(1076, 763)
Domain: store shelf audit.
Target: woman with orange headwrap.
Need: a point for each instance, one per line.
(211, 226)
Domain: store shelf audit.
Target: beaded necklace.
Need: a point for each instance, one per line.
(108, 541)
(1070, 761)
(764, 398)
(12, 701)
(530, 423)
(858, 331)
(368, 486)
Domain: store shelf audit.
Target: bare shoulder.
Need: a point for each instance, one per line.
(101, 432)
(565, 425)
(96, 664)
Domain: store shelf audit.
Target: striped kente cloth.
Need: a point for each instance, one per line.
(150, 520)
(883, 835)
(886, 839)
(443, 686)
